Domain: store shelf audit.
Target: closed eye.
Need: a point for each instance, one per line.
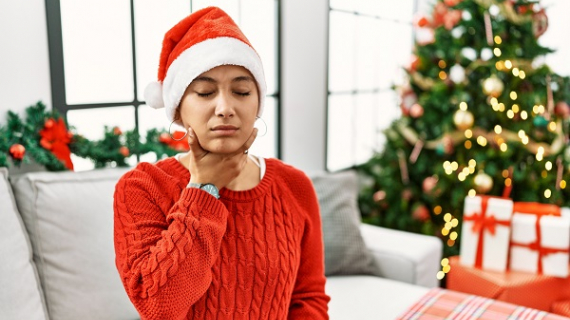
(243, 94)
(204, 94)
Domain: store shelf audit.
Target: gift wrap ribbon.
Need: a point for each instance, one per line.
(482, 222)
(540, 210)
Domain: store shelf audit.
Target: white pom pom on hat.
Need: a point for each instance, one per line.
(200, 42)
(153, 95)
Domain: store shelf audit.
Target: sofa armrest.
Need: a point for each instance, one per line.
(404, 256)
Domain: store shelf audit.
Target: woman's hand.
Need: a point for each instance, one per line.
(218, 169)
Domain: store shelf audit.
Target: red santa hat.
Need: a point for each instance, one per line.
(200, 42)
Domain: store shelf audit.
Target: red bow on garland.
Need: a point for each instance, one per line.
(56, 138)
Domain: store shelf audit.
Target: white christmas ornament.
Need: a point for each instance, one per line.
(494, 10)
(458, 32)
(457, 73)
(469, 53)
(486, 54)
(466, 15)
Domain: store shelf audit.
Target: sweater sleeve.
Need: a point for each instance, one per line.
(309, 300)
(164, 250)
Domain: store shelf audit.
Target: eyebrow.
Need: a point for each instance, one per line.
(236, 79)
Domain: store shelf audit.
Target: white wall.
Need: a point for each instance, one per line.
(304, 82)
(24, 59)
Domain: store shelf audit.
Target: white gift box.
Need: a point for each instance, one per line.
(551, 253)
(489, 230)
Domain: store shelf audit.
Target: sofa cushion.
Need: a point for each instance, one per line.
(345, 250)
(69, 216)
(20, 291)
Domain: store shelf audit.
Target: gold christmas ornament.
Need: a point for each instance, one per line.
(463, 120)
(493, 86)
(483, 182)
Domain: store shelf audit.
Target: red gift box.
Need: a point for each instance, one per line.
(521, 288)
(561, 307)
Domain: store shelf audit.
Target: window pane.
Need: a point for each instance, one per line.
(90, 123)
(340, 132)
(150, 118)
(258, 23)
(558, 25)
(365, 126)
(342, 41)
(266, 146)
(402, 50)
(370, 40)
(395, 40)
(230, 7)
(150, 32)
(97, 51)
(386, 111)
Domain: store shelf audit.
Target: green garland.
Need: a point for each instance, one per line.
(24, 141)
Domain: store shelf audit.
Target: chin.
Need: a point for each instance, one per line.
(223, 147)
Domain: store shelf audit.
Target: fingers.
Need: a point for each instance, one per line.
(195, 146)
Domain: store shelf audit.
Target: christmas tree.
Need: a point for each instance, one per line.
(480, 115)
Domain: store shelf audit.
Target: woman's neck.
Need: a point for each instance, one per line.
(248, 178)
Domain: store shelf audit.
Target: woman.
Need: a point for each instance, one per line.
(217, 233)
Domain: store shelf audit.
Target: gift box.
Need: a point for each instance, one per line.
(540, 239)
(561, 307)
(486, 232)
(522, 288)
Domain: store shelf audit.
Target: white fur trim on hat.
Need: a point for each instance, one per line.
(203, 57)
(153, 95)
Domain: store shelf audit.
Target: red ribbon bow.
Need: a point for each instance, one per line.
(536, 246)
(481, 222)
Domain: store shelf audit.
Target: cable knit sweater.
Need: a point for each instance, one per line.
(255, 254)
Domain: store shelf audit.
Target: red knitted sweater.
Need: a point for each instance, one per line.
(255, 254)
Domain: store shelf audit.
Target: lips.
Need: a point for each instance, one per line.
(225, 130)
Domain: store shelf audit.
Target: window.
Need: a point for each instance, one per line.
(104, 53)
(369, 43)
(558, 25)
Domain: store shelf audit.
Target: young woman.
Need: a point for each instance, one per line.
(217, 233)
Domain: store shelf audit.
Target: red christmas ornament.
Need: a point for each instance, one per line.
(451, 3)
(407, 194)
(124, 151)
(562, 110)
(56, 138)
(117, 131)
(408, 99)
(17, 151)
(414, 62)
(416, 110)
(49, 123)
(379, 196)
(429, 184)
(539, 23)
(442, 16)
(420, 213)
(421, 21)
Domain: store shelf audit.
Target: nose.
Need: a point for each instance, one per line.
(224, 106)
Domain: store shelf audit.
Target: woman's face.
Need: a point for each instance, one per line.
(221, 105)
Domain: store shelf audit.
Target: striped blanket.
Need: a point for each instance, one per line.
(439, 304)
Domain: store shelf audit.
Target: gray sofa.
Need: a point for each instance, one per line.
(56, 246)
